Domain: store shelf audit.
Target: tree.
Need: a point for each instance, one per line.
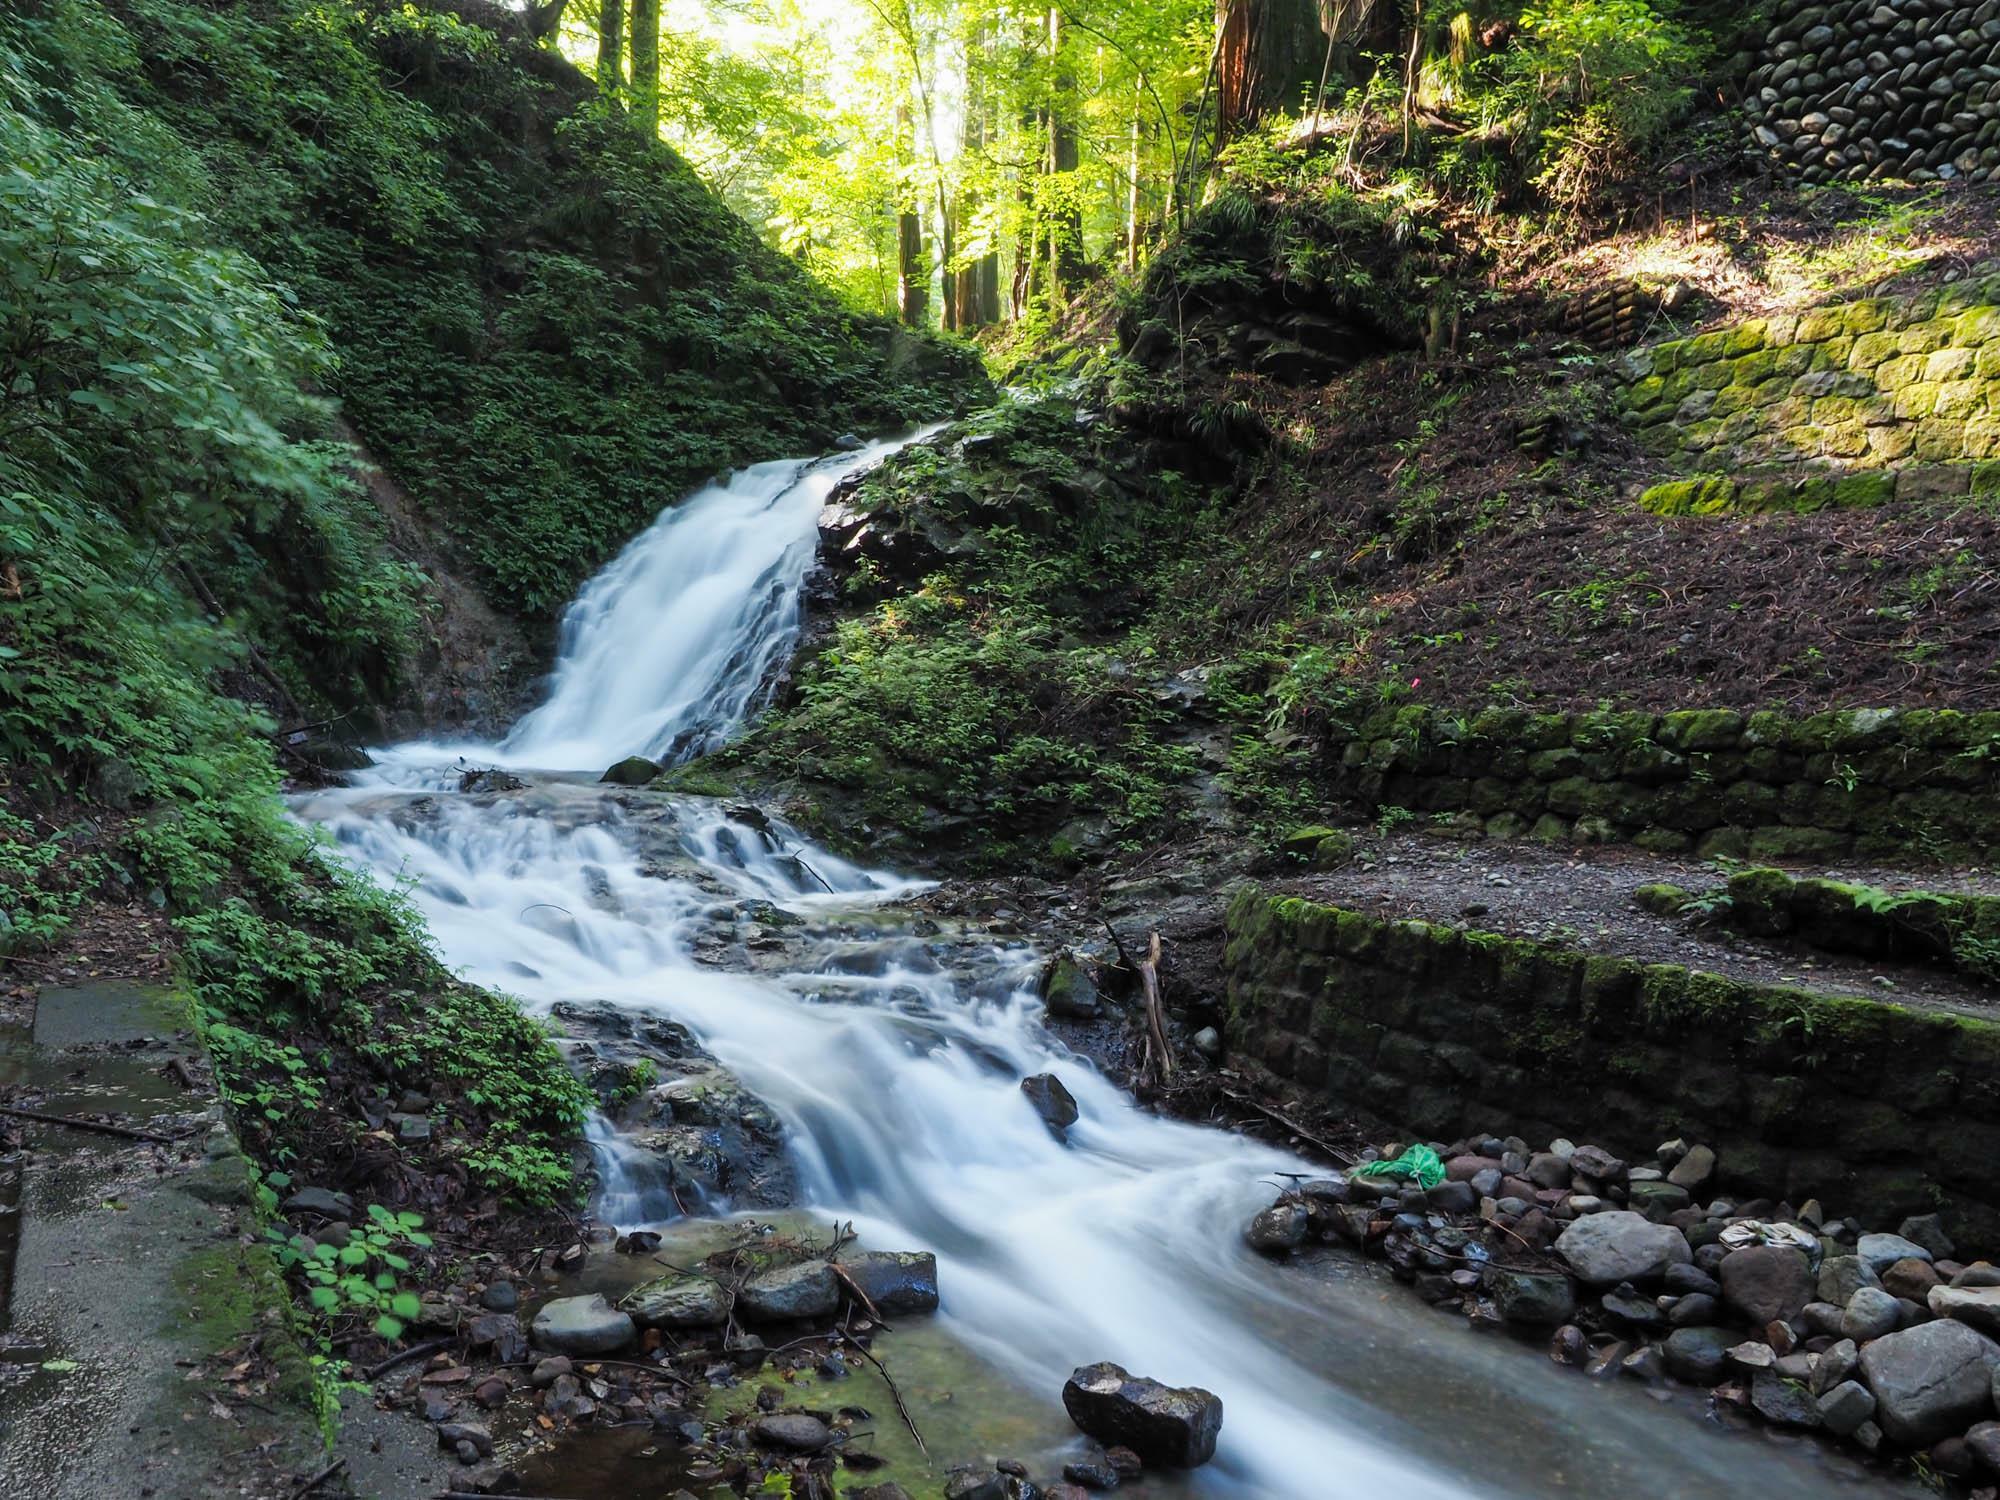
(646, 67)
(610, 48)
(1268, 54)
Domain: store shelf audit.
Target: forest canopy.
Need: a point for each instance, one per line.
(966, 163)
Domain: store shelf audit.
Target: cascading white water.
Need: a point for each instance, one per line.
(894, 1063)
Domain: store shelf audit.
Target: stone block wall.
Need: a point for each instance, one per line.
(1910, 380)
(1907, 785)
(1870, 89)
(1875, 1109)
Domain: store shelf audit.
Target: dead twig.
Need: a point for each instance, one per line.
(847, 1280)
(415, 1351)
(320, 1478)
(123, 1132)
(1278, 1117)
(1156, 1021)
(894, 1392)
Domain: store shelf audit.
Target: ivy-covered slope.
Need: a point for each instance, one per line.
(547, 328)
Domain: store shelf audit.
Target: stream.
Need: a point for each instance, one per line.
(891, 1051)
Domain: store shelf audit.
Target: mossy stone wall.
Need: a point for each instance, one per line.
(1916, 784)
(1879, 382)
(1875, 1109)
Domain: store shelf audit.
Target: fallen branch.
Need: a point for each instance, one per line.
(1117, 942)
(320, 1478)
(894, 1392)
(123, 1132)
(1156, 1021)
(415, 1351)
(847, 1280)
(1278, 1117)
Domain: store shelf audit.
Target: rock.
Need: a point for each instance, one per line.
(1978, 1307)
(1910, 1278)
(1979, 1273)
(1927, 1230)
(1698, 1355)
(1836, 1362)
(1984, 1441)
(1765, 1282)
(1845, 1407)
(1656, 1200)
(1208, 1042)
(502, 1333)
(322, 1201)
(793, 1430)
(896, 1281)
(1871, 1312)
(583, 1325)
(790, 1293)
(1841, 1276)
(1684, 1280)
(1930, 1381)
(451, 1434)
(1528, 1298)
(679, 1302)
(1627, 1306)
(1820, 1320)
(1068, 991)
(1278, 1229)
(1953, 1458)
(1454, 1198)
(633, 770)
(1693, 1170)
(1644, 1363)
(1599, 1165)
(500, 1297)
(1165, 1425)
(1783, 1402)
(1605, 1249)
(546, 1372)
(1093, 1473)
(1548, 1170)
(1880, 1251)
(1752, 1356)
(1568, 1345)
(1696, 1310)
(1054, 1103)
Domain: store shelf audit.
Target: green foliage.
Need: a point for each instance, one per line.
(358, 1281)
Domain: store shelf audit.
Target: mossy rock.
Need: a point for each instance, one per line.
(1304, 842)
(1333, 851)
(1760, 902)
(1661, 898)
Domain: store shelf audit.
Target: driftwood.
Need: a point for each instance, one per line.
(123, 1132)
(1156, 1021)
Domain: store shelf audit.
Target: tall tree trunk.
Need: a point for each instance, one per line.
(1132, 183)
(646, 67)
(913, 272)
(1065, 223)
(545, 18)
(1267, 55)
(611, 48)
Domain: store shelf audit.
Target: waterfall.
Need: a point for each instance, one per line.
(893, 1057)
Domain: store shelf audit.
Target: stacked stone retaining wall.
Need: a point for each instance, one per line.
(1875, 1109)
(1914, 785)
(1880, 89)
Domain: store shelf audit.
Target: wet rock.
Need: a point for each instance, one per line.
(794, 1431)
(896, 1281)
(807, 1290)
(1625, 1305)
(970, 1484)
(679, 1302)
(1054, 1103)
(1910, 1279)
(1645, 1363)
(1837, 1361)
(1870, 1313)
(1568, 1345)
(1278, 1229)
(633, 770)
(1696, 1310)
(451, 1434)
(1699, 1356)
(1620, 1245)
(500, 1297)
(1978, 1307)
(1530, 1299)
(1930, 1381)
(1068, 991)
(1093, 1473)
(1845, 1407)
(583, 1325)
(1171, 1426)
(1984, 1441)
(503, 1334)
(1208, 1042)
(1765, 1282)
(546, 1371)
(1782, 1402)
(1927, 1230)
(1687, 1280)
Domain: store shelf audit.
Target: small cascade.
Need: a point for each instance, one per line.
(635, 1189)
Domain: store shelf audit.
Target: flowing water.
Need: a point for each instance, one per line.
(892, 1052)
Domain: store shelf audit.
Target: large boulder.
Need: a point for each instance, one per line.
(1932, 1381)
(1605, 1249)
(679, 1302)
(583, 1325)
(1766, 1283)
(633, 770)
(791, 1293)
(896, 1281)
(1171, 1426)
